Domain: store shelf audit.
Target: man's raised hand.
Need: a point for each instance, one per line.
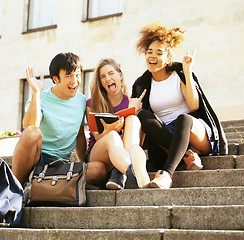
(36, 85)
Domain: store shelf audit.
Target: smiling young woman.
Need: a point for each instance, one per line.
(117, 153)
(176, 117)
(99, 92)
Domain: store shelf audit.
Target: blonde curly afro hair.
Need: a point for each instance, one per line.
(158, 32)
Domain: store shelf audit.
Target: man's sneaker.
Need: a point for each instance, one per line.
(192, 160)
(117, 180)
(162, 180)
(139, 159)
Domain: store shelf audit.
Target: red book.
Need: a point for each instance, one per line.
(95, 124)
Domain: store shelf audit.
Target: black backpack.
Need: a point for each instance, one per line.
(11, 197)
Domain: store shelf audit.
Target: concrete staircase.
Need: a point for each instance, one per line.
(207, 204)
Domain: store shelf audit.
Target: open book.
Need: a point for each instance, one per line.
(95, 124)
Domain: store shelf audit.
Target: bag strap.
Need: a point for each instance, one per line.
(70, 172)
(42, 174)
(59, 160)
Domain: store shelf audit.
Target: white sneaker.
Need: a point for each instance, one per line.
(162, 180)
(192, 160)
(138, 158)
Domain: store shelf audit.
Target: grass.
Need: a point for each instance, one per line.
(50, 235)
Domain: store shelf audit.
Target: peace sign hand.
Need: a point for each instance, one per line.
(36, 85)
(188, 61)
(136, 102)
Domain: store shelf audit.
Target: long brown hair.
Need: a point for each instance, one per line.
(99, 98)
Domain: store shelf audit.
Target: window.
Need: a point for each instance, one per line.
(27, 91)
(1, 7)
(48, 82)
(87, 79)
(97, 9)
(42, 14)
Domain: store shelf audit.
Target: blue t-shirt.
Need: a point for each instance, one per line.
(60, 124)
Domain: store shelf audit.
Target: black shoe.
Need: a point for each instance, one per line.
(117, 180)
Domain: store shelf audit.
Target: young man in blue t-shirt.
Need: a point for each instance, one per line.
(54, 126)
(54, 120)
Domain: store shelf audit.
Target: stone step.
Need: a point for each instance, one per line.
(233, 148)
(240, 161)
(210, 199)
(232, 123)
(234, 129)
(208, 178)
(235, 140)
(209, 162)
(136, 217)
(218, 171)
(78, 234)
(179, 234)
(196, 196)
(216, 162)
(135, 234)
(235, 135)
(111, 234)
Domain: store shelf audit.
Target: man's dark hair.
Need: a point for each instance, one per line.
(65, 61)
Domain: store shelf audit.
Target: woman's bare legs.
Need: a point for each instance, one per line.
(131, 139)
(111, 152)
(199, 138)
(132, 132)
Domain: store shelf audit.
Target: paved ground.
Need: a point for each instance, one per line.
(7, 146)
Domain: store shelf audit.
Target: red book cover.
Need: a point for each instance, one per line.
(92, 117)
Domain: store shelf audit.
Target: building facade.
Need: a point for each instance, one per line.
(34, 31)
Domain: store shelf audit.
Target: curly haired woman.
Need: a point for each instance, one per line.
(177, 118)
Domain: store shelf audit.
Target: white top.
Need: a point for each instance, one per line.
(166, 98)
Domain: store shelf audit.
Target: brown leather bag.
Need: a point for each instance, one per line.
(59, 185)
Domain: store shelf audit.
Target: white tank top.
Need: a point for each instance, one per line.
(166, 98)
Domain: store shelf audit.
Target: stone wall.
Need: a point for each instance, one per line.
(214, 28)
